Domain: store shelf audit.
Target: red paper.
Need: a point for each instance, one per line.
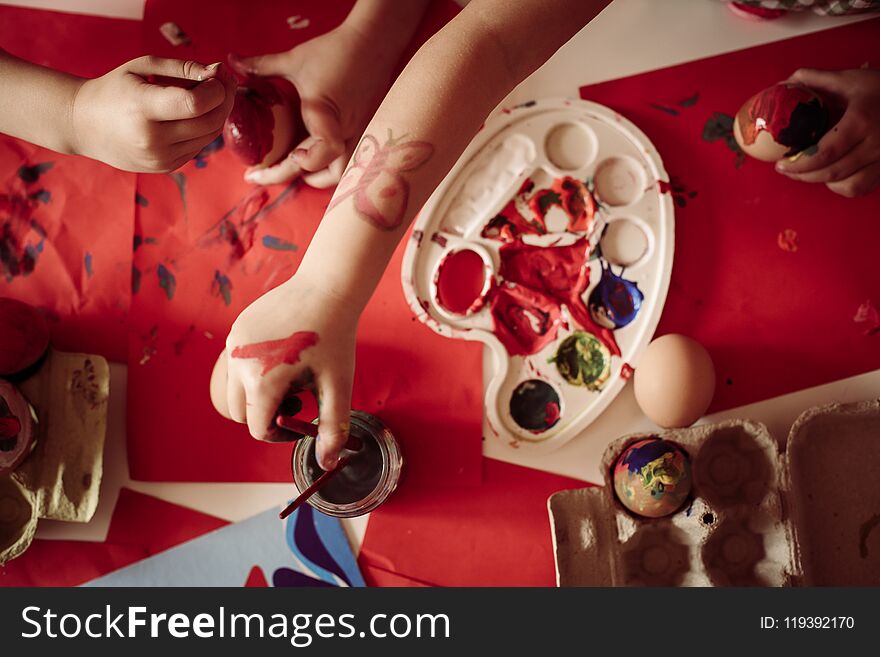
(769, 273)
(141, 527)
(497, 534)
(208, 244)
(65, 221)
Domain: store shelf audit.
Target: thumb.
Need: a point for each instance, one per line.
(325, 142)
(831, 81)
(271, 64)
(334, 420)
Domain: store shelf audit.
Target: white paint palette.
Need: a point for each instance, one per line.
(551, 241)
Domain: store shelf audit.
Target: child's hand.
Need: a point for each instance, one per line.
(340, 78)
(848, 157)
(138, 117)
(295, 337)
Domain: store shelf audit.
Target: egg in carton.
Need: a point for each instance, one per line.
(801, 511)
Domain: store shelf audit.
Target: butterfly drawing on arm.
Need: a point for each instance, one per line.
(380, 193)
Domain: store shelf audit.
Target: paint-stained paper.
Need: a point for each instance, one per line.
(207, 244)
(65, 221)
(768, 271)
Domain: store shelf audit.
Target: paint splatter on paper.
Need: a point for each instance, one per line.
(788, 240)
(278, 244)
(221, 286)
(720, 127)
(88, 263)
(167, 281)
(174, 35)
(298, 22)
(868, 317)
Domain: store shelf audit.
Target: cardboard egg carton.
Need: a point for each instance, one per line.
(61, 478)
(803, 510)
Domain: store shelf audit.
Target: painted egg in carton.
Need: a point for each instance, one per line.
(800, 511)
(551, 241)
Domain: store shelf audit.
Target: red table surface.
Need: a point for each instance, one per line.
(775, 321)
(84, 210)
(173, 432)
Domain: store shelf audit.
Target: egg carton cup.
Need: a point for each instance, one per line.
(800, 511)
(60, 479)
(632, 235)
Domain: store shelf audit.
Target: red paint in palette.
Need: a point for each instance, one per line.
(526, 320)
(560, 272)
(461, 281)
(273, 353)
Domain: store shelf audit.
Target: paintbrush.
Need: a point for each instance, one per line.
(315, 487)
(290, 423)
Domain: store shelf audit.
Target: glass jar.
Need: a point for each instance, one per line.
(365, 482)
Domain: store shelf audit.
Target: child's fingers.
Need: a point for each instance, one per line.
(862, 182)
(236, 400)
(286, 169)
(858, 158)
(325, 142)
(837, 143)
(327, 177)
(271, 64)
(333, 423)
(171, 68)
(186, 150)
(263, 400)
(188, 129)
(162, 103)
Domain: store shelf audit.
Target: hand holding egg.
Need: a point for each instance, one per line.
(847, 158)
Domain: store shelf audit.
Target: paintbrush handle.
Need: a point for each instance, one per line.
(314, 488)
(295, 424)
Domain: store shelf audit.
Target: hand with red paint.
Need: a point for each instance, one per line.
(847, 158)
(298, 336)
(341, 77)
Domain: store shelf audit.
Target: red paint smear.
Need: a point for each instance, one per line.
(273, 353)
(560, 272)
(24, 336)
(664, 186)
(460, 281)
(551, 414)
(788, 240)
(573, 197)
(626, 371)
(526, 320)
(773, 107)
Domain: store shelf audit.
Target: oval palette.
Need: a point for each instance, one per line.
(551, 241)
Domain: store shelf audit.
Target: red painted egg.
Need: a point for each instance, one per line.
(24, 336)
(780, 121)
(264, 123)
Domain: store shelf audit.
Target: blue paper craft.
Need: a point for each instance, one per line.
(307, 549)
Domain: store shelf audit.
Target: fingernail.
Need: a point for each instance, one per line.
(300, 152)
(208, 70)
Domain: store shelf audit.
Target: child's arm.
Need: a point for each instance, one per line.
(848, 157)
(119, 118)
(432, 111)
(341, 77)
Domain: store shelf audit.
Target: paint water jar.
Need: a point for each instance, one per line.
(368, 479)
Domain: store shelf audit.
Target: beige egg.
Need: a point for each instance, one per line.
(674, 381)
(218, 386)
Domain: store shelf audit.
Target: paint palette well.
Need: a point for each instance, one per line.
(551, 241)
